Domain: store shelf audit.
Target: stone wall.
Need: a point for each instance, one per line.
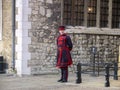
(5, 43)
(107, 47)
(45, 19)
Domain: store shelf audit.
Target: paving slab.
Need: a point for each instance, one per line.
(49, 82)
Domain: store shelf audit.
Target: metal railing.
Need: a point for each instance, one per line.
(106, 66)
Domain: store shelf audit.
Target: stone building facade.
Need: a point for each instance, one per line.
(36, 31)
(45, 18)
(6, 32)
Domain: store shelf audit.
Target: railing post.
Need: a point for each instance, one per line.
(107, 83)
(79, 79)
(93, 65)
(115, 71)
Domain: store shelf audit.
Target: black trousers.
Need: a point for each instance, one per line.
(64, 73)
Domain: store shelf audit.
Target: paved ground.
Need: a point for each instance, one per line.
(49, 82)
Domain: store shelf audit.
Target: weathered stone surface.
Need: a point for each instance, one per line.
(43, 35)
(45, 19)
(5, 43)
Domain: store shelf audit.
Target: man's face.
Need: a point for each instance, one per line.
(61, 32)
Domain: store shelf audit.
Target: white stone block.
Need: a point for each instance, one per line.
(18, 3)
(23, 40)
(27, 40)
(18, 64)
(25, 25)
(25, 2)
(42, 11)
(26, 56)
(20, 9)
(23, 29)
(18, 33)
(49, 13)
(25, 68)
(22, 67)
(41, 0)
(49, 1)
(18, 49)
(29, 10)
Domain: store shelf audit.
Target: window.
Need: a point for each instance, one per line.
(91, 19)
(73, 12)
(78, 12)
(92, 13)
(116, 14)
(68, 12)
(0, 19)
(104, 13)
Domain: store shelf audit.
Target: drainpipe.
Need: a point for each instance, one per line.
(13, 33)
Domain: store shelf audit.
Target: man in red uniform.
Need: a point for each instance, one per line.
(64, 46)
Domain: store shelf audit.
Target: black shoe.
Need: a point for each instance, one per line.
(63, 81)
(60, 80)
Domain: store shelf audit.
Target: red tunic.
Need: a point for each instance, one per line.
(64, 46)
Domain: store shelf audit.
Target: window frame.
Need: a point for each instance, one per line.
(85, 18)
(116, 15)
(86, 14)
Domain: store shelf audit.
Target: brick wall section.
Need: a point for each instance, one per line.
(5, 43)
